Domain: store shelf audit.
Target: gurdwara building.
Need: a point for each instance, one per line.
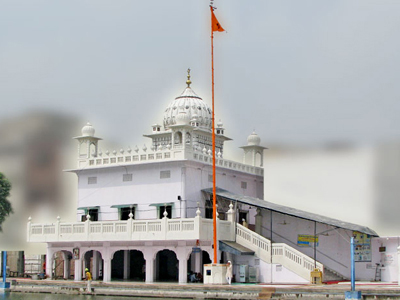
(145, 214)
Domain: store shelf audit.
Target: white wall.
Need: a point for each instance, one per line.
(145, 188)
(388, 259)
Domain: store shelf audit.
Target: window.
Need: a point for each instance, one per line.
(165, 174)
(125, 211)
(163, 208)
(92, 180)
(210, 178)
(127, 177)
(94, 215)
(243, 185)
(209, 209)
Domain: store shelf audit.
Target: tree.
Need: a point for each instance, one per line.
(5, 205)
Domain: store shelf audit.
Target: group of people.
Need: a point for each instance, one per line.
(195, 277)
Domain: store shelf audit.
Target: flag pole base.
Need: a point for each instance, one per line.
(215, 274)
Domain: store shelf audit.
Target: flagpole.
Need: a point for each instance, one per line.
(213, 145)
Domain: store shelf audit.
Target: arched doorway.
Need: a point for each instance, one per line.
(128, 265)
(195, 264)
(63, 266)
(94, 262)
(167, 266)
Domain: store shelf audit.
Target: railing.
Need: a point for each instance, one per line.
(283, 254)
(163, 229)
(173, 154)
(294, 260)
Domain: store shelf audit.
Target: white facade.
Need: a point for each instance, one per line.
(144, 214)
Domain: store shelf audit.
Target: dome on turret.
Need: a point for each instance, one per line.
(253, 139)
(186, 107)
(88, 130)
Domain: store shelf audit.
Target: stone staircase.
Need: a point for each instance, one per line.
(331, 275)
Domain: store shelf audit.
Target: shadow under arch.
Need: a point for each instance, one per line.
(93, 260)
(133, 269)
(167, 266)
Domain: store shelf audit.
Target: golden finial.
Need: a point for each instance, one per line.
(188, 82)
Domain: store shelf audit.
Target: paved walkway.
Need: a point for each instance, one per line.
(370, 290)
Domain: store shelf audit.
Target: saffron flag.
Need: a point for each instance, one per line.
(214, 23)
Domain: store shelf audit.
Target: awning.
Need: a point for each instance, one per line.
(234, 248)
(289, 211)
(123, 205)
(162, 204)
(86, 208)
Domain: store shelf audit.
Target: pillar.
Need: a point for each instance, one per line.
(96, 261)
(127, 264)
(107, 269)
(78, 270)
(149, 270)
(49, 263)
(66, 265)
(198, 262)
(258, 221)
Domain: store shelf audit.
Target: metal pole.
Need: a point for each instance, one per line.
(353, 271)
(4, 267)
(213, 145)
(315, 245)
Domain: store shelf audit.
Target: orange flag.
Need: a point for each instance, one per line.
(214, 22)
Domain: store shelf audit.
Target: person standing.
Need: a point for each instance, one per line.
(228, 275)
(89, 280)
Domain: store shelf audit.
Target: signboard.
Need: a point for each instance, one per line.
(75, 253)
(362, 246)
(196, 249)
(307, 240)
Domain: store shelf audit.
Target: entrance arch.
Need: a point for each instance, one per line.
(128, 265)
(94, 262)
(167, 266)
(62, 265)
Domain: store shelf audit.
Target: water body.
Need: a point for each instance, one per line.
(37, 296)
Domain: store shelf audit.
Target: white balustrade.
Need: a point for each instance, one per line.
(283, 254)
(166, 154)
(160, 229)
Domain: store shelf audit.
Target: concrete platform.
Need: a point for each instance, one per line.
(369, 290)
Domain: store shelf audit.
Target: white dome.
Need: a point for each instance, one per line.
(253, 139)
(182, 118)
(192, 105)
(88, 130)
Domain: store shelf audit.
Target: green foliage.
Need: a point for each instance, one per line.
(5, 205)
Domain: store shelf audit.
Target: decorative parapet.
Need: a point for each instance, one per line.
(163, 229)
(165, 155)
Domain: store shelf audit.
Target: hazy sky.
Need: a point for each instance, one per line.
(296, 71)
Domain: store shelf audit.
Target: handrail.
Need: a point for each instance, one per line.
(283, 254)
(156, 229)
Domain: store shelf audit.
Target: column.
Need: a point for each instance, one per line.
(181, 254)
(258, 221)
(197, 258)
(149, 270)
(66, 265)
(49, 263)
(107, 269)
(78, 270)
(127, 264)
(96, 261)
(148, 254)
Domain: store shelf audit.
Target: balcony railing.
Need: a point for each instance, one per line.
(173, 154)
(196, 228)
